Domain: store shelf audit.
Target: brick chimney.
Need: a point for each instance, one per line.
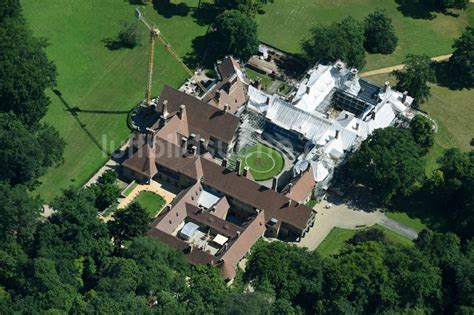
(275, 183)
(247, 172)
(238, 165)
(290, 186)
(182, 112)
(164, 110)
(224, 163)
(404, 97)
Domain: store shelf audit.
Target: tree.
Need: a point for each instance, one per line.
(106, 195)
(26, 72)
(247, 7)
(25, 155)
(162, 268)
(380, 36)
(52, 143)
(291, 273)
(9, 8)
(128, 223)
(388, 162)
(422, 131)
(343, 40)
(436, 5)
(236, 34)
(414, 78)
(248, 303)
(128, 35)
(19, 214)
(457, 190)
(461, 63)
(373, 235)
(108, 177)
(21, 156)
(74, 230)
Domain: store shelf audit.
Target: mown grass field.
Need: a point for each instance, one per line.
(152, 202)
(338, 237)
(263, 162)
(287, 22)
(99, 86)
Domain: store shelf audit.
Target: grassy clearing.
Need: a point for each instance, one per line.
(130, 189)
(152, 202)
(334, 241)
(99, 86)
(264, 162)
(394, 237)
(253, 75)
(287, 22)
(403, 218)
(338, 237)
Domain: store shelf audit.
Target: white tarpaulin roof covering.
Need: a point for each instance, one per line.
(319, 171)
(207, 199)
(290, 117)
(257, 99)
(188, 230)
(220, 239)
(313, 90)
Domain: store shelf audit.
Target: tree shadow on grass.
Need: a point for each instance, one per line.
(204, 53)
(167, 9)
(416, 10)
(447, 77)
(206, 14)
(424, 205)
(112, 44)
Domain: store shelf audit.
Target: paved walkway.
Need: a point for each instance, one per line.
(342, 216)
(398, 67)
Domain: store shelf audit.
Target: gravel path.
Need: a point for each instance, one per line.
(343, 216)
(398, 67)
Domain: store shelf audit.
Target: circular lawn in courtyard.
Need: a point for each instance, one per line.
(263, 162)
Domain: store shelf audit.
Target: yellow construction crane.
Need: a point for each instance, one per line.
(155, 33)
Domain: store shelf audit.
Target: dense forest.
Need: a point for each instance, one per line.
(73, 262)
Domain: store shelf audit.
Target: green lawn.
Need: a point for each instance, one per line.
(130, 189)
(99, 85)
(287, 22)
(253, 75)
(264, 162)
(152, 202)
(337, 238)
(334, 241)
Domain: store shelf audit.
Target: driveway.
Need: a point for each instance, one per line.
(343, 216)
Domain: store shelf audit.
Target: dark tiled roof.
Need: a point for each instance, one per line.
(221, 226)
(203, 119)
(368, 92)
(274, 204)
(226, 67)
(194, 256)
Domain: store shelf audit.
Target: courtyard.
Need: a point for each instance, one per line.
(264, 162)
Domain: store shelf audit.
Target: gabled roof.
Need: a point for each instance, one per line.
(202, 119)
(303, 186)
